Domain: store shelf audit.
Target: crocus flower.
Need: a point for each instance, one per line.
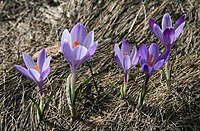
(77, 46)
(168, 34)
(150, 61)
(125, 60)
(36, 71)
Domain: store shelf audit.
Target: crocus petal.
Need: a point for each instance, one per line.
(45, 73)
(151, 24)
(79, 52)
(179, 30)
(144, 53)
(46, 63)
(118, 56)
(90, 52)
(23, 71)
(67, 51)
(147, 69)
(142, 62)
(127, 62)
(41, 58)
(78, 33)
(66, 37)
(179, 22)
(168, 37)
(118, 61)
(81, 55)
(164, 56)
(125, 47)
(158, 65)
(133, 53)
(28, 60)
(158, 32)
(35, 74)
(117, 50)
(93, 48)
(155, 29)
(154, 50)
(166, 21)
(89, 39)
(134, 56)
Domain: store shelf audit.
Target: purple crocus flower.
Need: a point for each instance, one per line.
(150, 60)
(125, 60)
(36, 72)
(77, 46)
(168, 34)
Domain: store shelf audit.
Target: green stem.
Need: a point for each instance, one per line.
(168, 72)
(71, 84)
(142, 93)
(123, 88)
(40, 111)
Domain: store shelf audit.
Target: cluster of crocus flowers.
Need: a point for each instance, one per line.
(151, 60)
(125, 60)
(77, 47)
(36, 71)
(167, 34)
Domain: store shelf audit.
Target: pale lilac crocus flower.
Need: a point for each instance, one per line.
(150, 61)
(36, 71)
(77, 47)
(125, 59)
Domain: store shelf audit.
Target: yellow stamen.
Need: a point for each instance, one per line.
(151, 60)
(125, 53)
(36, 67)
(75, 43)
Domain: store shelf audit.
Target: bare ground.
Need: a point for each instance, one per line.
(31, 25)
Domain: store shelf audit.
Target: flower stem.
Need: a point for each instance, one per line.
(168, 72)
(73, 112)
(123, 88)
(71, 84)
(40, 111)
(143, 93)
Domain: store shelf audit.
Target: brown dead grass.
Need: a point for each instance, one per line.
(31, 25)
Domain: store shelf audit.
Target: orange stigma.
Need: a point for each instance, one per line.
(75, 43)
(125, 53)
(151, 60)
(36, 67)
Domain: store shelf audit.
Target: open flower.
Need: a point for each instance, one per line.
(125, 60)
(168, 34)
(151, 60)
(77, 46)
(36, 71)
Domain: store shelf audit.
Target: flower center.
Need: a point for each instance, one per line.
(36, 67)
(151, 60)
(125, 53)
(75, 43)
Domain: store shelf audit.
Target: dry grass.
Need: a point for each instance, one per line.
(31, 25)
